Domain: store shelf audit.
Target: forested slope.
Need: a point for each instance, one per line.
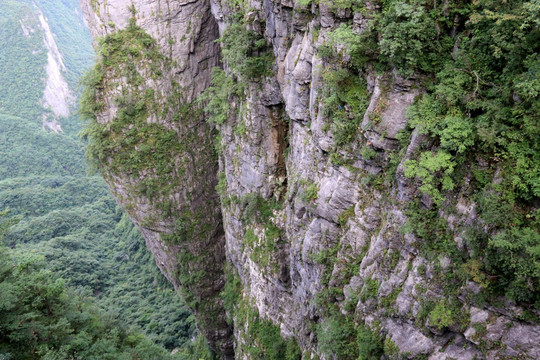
(76, 275)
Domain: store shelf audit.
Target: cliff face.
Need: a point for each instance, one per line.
(323, 232)
(152, 144)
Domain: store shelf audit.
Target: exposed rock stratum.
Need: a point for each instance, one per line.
(307, 232)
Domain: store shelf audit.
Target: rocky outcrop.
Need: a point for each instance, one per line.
(315, 231)
(57, 96)
(334, 209)
(156, 57)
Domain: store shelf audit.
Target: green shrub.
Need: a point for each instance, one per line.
(232, 292)
(245, 52)
(221, 187)
(345, 102)
(390, 348)
(408, 35)
(258, 209)
(337, 337)
(262, 339)
(197, 349)
(370, 290)
(345, 88)
(346, 42)
(217, 98)
(368, 153)
(345, 216)
(311, 191)
(448, 313)
(370, 346)
(41, 318)
(515, 255)
(434, 170)
(484, 104)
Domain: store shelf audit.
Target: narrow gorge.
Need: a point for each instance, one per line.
(330, 179)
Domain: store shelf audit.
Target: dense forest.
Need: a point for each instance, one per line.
(75, 277)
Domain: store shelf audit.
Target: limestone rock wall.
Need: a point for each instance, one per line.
(337, 208)
(158, 58)
(312, 230)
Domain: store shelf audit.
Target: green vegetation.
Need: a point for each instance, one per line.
(46, 153)
(217, 96)
(246, 53)
(369, 344)
(23, 56)
(130, 144)
(311, 190)
(258, 214)
(344, 336)
(345, 216)
(345, 88)
(196, 350)
(434, 170)
(370, 290)
(74, 225)
(258, 209)
(22, 62)
(479, 62)
(41, 319)
(72, 36)
(247, 57)
(390, 348)
(407, 30)
(338, 336)
(78, 277)
(334, 5)
(447, 313)
(328, 258)
(484, 103)
(264, 248)
(133, 143)
(265, 340)
(152, 125)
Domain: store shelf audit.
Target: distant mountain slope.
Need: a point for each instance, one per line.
(22, 60)
(65, 215)
(28, 150)
(45, 50)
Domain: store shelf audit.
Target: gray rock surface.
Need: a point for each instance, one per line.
(185, 32)
(285, 153)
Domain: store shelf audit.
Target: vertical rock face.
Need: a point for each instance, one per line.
(341, 244)
(184, 30)
(315, 232)
(154, 147)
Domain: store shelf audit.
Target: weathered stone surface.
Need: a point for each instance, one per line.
(369, 234)
(386, 113)
(409, 339)
(337, 228)
(185, 32)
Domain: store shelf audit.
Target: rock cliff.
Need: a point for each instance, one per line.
(295, 193)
